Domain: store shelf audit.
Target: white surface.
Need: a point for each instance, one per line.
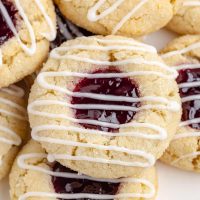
(174, 184)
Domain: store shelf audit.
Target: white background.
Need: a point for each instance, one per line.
(174, 184)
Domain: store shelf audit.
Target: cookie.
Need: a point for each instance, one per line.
(25, 37)
(13, 125)
(128, 18)
(183, 54)
(186, 21)
(104, 106)
(33, 177)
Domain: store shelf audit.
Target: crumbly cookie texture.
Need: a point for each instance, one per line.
(16, 62)
(10, 123)
(180, 151)
(151, 85)
(186, 20)
(151, 16)
(23, 181)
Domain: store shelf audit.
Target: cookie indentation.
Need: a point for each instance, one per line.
(123, 87)
(191, 109)
(75, 186)
(6, 33)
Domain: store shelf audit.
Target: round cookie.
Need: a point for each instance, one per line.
(128, 18)
(104, 106)
(13, 125)
(33, 177)
(184, 55)
(24, 38)
(186, 20)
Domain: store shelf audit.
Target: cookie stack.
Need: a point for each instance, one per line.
(103, 106)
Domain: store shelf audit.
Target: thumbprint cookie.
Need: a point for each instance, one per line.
(33, 177)
(183, 54)
(13, 125)
(133, 18)
(104, 106)
(27, 27)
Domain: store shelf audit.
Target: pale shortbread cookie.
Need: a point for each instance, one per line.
(28, 179)
(121, 17)
(184, 150)
(25, 52)
(186, 20)
(101, 153)
(13, 126)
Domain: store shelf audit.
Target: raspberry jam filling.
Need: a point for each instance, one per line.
(106, 86)
(74, 186)
(5, 32)
(191, 109)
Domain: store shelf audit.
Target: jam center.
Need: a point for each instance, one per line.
(106, 86)
(191, 109)
(74, 186)
(6, 33)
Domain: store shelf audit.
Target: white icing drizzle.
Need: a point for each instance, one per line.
(191, 3)
(93, 16)
(182, 51)
(32, 49)
(23, 165)
(16, 141)
(74, 29)
(12, 104)
(16, 91)
(188, 98)
(190, 155)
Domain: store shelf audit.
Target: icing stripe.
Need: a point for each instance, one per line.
(92, 12)
(190, 155)
(13, 105)
(182, 51)
(23, 165)
(16, 141)
(14, 90)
